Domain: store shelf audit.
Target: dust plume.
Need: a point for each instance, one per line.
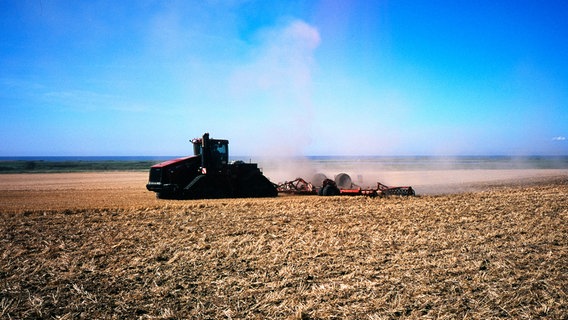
(434, 174)
(275, 88)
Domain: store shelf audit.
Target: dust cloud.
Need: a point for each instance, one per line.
(275, 87)
(427, 175)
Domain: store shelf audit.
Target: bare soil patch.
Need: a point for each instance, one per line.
(71, 250)
(58, 191)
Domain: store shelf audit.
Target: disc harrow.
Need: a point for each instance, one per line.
(342, 185)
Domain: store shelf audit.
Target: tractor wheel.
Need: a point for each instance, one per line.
(164, 195)
(207, 187)
(317, 179)
(343, 180)
(170, 194)
(255, 186)
(330, 190)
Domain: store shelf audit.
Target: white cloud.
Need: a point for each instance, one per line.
(559, 138)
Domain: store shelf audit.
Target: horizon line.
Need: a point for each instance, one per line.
(40, 157)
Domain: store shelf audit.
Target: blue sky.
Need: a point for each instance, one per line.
(284, 77)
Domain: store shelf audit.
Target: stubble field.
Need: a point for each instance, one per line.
(92, 246)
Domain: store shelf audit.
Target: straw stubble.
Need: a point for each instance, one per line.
(495, 253)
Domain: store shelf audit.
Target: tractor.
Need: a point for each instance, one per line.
(208, 174)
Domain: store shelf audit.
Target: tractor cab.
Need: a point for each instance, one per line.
(214, 154)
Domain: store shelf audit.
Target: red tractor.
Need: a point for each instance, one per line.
(208, 174)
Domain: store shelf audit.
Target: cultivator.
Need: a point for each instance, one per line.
(342, 185)
(297, 186)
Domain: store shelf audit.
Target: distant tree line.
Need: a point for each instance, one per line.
(41, 166)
